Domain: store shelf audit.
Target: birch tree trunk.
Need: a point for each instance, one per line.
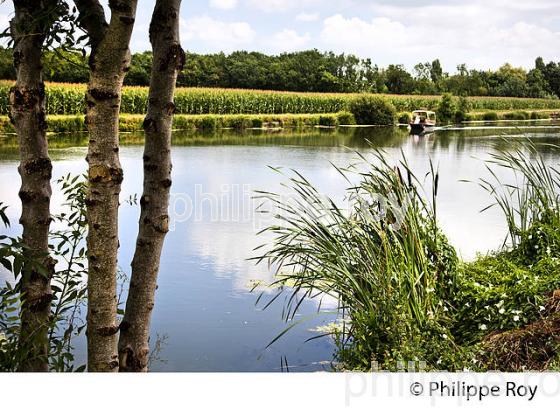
(109, 61)
(29, 29)
(168, 60)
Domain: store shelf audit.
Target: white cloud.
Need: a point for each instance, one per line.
(290, 40)
(272, 6)
(216, 35)
(308, 17)
(4, 21)
(223, 4)
(467, 34)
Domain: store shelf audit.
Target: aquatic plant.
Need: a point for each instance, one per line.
(383, 258)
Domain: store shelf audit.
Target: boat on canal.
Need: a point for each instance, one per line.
(422, 122)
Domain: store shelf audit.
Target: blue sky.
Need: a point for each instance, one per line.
(481, 33)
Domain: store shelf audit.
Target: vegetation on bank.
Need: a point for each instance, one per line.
(210, 122)
(314, 71)
(204, 122)
(212, 109)
(403, 294)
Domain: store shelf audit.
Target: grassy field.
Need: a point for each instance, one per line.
(68, 99)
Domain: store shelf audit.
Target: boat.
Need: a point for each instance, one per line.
(422, 122)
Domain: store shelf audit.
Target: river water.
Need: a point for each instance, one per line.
(205, 311)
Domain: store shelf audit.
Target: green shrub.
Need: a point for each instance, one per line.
(257, 122)
(490, 116)
(499, 292)
(537, 115)
(328, 121)
(463, 109)
(370, 110)
(208, 123)
(5, 125)
(131, 123)
(238, 122)
(446, 109)
(404, 118)
(517, 115)
(183, 122)
(346, 118)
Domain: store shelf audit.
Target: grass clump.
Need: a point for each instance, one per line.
(386, 262)
(490, 116)
(346, 118)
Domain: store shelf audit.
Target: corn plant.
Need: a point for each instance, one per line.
(66, 99)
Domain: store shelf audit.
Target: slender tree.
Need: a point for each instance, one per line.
(109, 61)
(29, 29)
(153, 224)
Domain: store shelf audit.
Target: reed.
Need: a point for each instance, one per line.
(382, 258)
(534, 195)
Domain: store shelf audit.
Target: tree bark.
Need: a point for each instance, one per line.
(109, 61)
(29, 28)
(168, 60)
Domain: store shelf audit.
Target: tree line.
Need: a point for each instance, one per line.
(315, 71)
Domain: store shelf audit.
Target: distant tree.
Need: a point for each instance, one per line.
(436, 71)
(398, 80)
(447, 109)
(7, 71)
(537, 85)
(539, 64)
(139, 71)
(552, 76)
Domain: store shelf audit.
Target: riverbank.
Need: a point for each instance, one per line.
(240, 122)
(204, 122)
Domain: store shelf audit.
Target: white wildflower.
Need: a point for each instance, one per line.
(483, 327)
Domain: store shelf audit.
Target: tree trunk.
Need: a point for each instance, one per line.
(109, 62)
(168, 60)
(29, 29)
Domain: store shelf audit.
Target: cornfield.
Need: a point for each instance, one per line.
(66, 99)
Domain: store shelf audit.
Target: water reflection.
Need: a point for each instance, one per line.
(203, 302)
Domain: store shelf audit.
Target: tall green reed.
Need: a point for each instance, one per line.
(534, 194)
(382, 257)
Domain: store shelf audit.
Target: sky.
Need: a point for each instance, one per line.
(484, 34)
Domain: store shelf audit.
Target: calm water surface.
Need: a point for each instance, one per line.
(204, 309)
